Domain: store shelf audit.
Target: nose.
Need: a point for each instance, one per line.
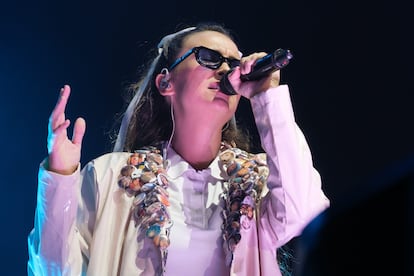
(223, 69)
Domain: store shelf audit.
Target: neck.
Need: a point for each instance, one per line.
(199, 147)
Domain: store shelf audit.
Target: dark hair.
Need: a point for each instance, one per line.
(151, 122)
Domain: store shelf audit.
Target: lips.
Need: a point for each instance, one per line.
(214, 86)
(219, 94)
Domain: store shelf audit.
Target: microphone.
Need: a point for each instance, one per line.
(262, 68)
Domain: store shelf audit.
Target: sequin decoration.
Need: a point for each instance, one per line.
(144, 178)
(247, 174)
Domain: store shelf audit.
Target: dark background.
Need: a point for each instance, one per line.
(349, 82)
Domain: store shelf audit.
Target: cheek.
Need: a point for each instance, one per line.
(191, 86)
(186, 82)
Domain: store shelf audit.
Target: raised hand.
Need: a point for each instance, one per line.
(64, 154)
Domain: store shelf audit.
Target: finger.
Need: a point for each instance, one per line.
(59, 134)
(249, 61)
(234, 75)
(275, 79)
(61, 128)
(58, 114)
(62, 100)
(246, 66)
(78, 131)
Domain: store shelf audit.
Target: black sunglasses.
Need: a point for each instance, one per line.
(207, 58)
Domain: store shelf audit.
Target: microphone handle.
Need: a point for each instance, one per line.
(268, 64)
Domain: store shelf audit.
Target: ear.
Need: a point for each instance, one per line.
(164, 85)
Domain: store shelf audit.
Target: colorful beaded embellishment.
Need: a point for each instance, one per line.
(247, 174)
(144, 178)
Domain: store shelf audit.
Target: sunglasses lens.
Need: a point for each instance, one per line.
(209, 58)
(234, 63)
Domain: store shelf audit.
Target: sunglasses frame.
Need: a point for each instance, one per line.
(232, 62)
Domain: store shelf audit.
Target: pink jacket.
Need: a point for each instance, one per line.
(83, 224)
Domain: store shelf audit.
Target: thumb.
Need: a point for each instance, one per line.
(78, 131)
(234, 75)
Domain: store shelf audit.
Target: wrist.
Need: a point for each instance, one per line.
(48, 165)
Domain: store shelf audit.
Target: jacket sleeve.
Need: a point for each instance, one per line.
(295, 195)
(59, 242)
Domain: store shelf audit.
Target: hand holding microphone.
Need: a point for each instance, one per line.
(262, 68)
